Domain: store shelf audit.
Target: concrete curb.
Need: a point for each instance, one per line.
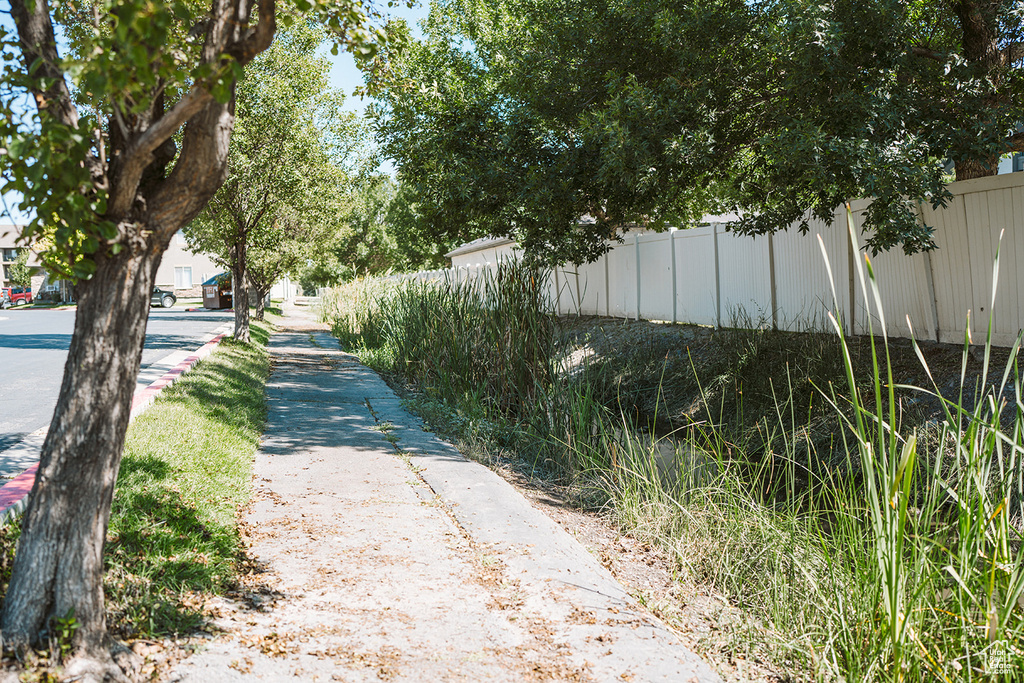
(14, 494)
(541, 553)
(145, 398)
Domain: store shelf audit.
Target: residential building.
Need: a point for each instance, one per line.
(183, 270)
(180, 269)
(9, 252)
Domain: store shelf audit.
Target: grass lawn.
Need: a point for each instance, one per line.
(186, 471)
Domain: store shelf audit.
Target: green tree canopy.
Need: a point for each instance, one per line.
(294, 158)
(379, 230)
(517, 118)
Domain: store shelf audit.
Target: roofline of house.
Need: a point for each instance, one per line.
(477, 245)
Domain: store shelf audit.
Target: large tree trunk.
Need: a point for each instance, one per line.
(58, 567)
(261, 302)
(979, 28)
(240, 291)
(967, 169)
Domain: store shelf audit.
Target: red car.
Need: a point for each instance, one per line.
(18, 295)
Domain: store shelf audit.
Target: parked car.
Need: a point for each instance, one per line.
(5, 301)
(162, 297)
(18, 295)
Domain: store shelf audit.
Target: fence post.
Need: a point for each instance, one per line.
(933, 297)
(718, 279)
(771, 282)
(852, 266)
(672, 248)
(579, 296)
(558, 293)
(636, 250)
(929, 279)
(607, 288)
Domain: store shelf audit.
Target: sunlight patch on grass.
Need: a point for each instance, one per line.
(186, 471)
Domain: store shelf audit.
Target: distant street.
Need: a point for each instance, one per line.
(33, 350)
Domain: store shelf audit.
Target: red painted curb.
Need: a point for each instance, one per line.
(14, 492)
(148, 394)
(16, 489)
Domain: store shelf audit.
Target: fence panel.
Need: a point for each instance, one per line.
(1015, 258)
(622, 280)
(654, 258)
(591, 287)
(906, 294)
(696, 290)
(721, 278)
(983, 236)
(951, 265)
(803, 290)
(904, 284)
(744, 280)
(573, 284)
(989, 211)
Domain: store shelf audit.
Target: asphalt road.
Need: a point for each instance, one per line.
(33, 349)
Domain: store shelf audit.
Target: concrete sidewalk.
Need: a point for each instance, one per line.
(386, 555)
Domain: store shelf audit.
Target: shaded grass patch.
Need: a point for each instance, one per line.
(186, 472)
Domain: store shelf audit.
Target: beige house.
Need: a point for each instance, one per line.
(180, 269)
(184, 271)
(9, 251)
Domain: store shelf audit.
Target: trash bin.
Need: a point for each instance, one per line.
(217, 292)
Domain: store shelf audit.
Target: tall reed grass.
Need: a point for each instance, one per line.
(903, 564)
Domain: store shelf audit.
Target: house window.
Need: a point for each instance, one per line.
(179, 238)
(183, 277)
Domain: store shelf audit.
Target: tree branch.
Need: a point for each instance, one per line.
(258, 38)
(202, 163)
(928, 53)
(259, 214)
(199, 171)
(39, 50)
(1014, 52)
(140, 153)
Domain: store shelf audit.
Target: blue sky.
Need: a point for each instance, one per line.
(344, 73)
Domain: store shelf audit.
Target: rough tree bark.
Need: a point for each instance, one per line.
(967, 169)
(58, 566)
(979, 28)
(261, 302)
(240, 289)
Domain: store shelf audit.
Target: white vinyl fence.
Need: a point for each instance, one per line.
(709, 276)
